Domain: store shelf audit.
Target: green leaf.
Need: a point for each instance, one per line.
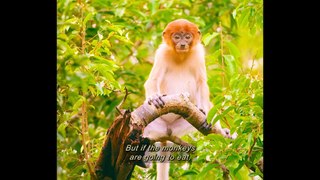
(227, 110)
(116, 28)
(137, 12)
(115, 84)
(92, 90)
(92, 107)
(111, 34)
(61, 128)
(78, 103)
(253, 174)
(213, 57)
(216, 119)
(89, 16)
(243, 19)
(217, 138)
(106, 43)
(233, 49)
(72, 21)
(201, 157)
(230, 65)
(242, 173)
(189, 172)
(237, 142)
(259, 142)
(111, 64)
(206, 169)
(162, 13)
(63, 37)
(211, 113)
(234, 82)
(246, 83)
(208, 37)
(241, 163)
(244, 102)
(233, 158)
(259, 100)
(123, 39)
(105, 71)
(186, 3)
(218, 100)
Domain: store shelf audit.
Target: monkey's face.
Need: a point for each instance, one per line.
(181, 35)
(182, 41)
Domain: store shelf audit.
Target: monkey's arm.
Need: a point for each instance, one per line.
(153, 83)
(204, 102)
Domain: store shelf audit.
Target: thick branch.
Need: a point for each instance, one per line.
(178, 104)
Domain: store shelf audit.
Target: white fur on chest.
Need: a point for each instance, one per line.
(174, 83)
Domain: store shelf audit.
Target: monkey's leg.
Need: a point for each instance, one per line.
(181, 127)
(155, 129)
(163, 167)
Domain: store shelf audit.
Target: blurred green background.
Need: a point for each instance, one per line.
(106, 46)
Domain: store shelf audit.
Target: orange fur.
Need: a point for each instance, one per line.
(181, 25)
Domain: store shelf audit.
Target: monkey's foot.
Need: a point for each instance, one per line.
(206, 128)
(156, 100)
(226, 133)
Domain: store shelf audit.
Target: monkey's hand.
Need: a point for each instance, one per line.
(156, 100)
(201, 110)
(226, 133)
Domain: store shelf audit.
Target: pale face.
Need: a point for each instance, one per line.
(182, 41)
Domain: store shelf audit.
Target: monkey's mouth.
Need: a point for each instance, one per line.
(182, 49)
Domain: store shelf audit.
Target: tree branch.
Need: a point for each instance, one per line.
(127, 129)
(224, 169)
(178, 104)
(123, 100)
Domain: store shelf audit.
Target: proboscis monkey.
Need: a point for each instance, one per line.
(179, 66)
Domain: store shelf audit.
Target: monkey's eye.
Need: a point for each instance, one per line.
(188, 36)
(177, 37)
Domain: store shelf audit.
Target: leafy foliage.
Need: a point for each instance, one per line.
(107, 46)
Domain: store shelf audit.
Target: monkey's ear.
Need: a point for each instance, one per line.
(199, 32)
(163, 33)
